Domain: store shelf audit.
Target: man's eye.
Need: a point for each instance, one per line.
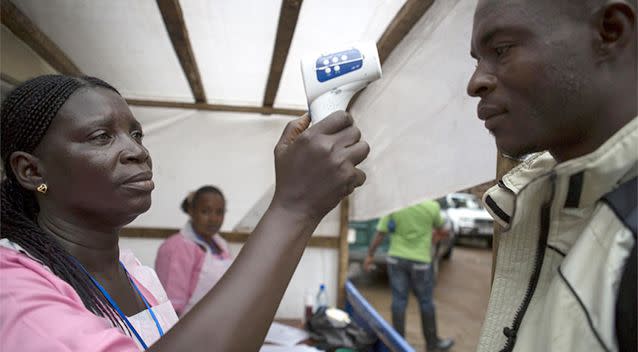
(502, 50)
(138, 135)
(102, 137)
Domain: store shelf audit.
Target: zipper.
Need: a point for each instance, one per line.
(511, 332)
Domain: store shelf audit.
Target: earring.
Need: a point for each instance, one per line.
(42, 188)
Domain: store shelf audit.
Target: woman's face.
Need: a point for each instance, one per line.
(207, 214)
(95, 165)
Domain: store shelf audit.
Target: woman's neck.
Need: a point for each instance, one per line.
(97, 250)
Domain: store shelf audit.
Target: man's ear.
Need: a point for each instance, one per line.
(27, 170)
(616, 27)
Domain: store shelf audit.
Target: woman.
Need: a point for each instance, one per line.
(77, 172)
(190, 262)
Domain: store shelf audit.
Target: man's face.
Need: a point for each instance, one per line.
(532, 74)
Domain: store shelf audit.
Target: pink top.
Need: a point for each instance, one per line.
(179, 266)
(41, 312)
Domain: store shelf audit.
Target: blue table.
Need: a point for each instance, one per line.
(363, 314)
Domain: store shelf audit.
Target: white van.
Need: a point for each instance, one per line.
(467, 218)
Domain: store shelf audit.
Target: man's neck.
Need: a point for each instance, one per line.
(603, 126)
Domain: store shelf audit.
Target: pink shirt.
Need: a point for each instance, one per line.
(179, 265)
(41, 312)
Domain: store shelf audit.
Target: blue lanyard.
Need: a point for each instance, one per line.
(120, 312)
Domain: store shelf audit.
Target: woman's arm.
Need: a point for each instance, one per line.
(315, 169)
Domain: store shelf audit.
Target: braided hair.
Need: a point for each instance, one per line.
(26, 116)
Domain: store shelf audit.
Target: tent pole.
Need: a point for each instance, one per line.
(343, 252)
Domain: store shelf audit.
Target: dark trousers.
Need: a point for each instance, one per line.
(406, 275)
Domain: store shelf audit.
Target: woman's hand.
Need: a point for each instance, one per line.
(316, 167)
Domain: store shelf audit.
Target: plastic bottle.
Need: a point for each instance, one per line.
(308, 306)
(322, 297)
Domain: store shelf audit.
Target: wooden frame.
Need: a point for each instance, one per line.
(409, 14)
(317, 241)
(288, 15)
(32, 36)
(8, 79)
(216, 107)
(176, 27)
(342, 275)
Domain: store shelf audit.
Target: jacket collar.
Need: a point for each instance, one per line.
(598, 173)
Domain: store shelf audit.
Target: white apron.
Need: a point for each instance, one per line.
(213, 267)
(145, 325)
(164, 312)
(212, 270)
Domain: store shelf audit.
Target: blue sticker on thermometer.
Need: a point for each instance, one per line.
(338, 64)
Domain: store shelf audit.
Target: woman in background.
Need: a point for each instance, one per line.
(190, 262)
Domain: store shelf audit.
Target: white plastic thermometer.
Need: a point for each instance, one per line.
(331, 79)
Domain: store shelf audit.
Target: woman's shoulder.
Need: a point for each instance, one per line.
(179, 243)
(177, 239)
(20, 268)
(31, 294)
(177, 249)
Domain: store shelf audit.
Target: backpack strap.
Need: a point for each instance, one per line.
(623, 201)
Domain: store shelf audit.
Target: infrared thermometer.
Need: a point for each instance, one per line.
(333, 77)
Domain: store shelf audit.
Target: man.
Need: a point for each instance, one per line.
(409, 266)
(560, 76)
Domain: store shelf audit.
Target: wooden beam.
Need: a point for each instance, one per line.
(174, 22)
(342, 275)
(216, 107)
(409, 14)
(9, 79)
(401, 25)
(288, 15)
(31, 35)
(317, 241)
(148, 232)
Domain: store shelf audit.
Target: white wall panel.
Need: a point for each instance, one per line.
(325, 24)
(233, 43)
(121, 41)
(426, 139)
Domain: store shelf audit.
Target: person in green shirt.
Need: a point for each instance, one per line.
(409, 259)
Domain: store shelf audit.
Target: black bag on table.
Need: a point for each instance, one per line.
(329, 337)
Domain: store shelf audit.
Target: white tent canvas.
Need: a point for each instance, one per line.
(426, 139)
(419, 122)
